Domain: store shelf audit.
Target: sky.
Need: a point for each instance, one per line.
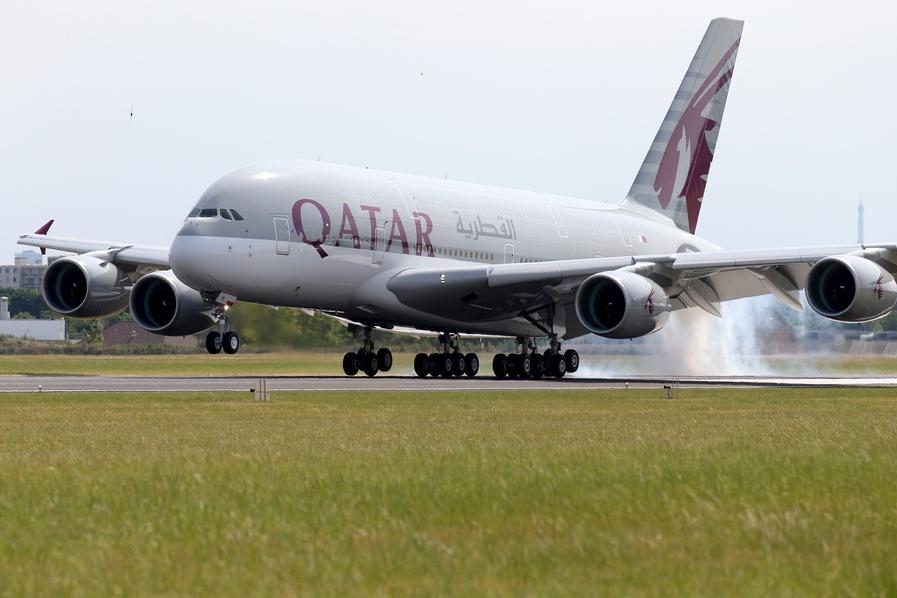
(561, 97)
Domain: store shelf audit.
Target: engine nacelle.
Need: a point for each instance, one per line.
(621, 304)
(163, 304)
(850, 288)
(85, 286)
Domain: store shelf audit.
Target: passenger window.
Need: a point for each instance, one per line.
(208, 213)
(225, 214)
(236, 215)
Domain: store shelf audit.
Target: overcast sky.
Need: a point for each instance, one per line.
(562, 97)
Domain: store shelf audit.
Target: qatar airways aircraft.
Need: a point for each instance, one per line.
(378, 249)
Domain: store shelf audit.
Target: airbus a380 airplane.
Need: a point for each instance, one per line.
(378, 249)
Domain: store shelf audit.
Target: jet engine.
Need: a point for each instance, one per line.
(163, 304)
(85, 286)
(621, 304)
(850, 288)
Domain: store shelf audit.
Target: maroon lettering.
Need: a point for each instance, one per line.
(348, 227)
(371, 210)
(300, 229)
(423, 236)
(397, 233)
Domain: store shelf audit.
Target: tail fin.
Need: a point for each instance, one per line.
(673, 176)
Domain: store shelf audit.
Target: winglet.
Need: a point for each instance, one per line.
(43, 231)
(45, 228)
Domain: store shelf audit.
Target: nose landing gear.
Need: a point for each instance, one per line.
(224, 338)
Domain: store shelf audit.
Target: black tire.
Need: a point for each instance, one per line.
(524, 366)
(384, 359)
(230, 342)
(512, 364)
(458, 365)
(471, 364)
(558, 366)
(434, 364)
(369, 364)
(499, 365)
(421, 365)
(572, 359)
(446, 365)
(350, 364)
(538, 366)
(213, 342)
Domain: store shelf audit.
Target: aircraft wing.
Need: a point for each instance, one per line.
(122, 254)
(693, 279)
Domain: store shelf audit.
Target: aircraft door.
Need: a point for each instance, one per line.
(509, 253)
(281, 236)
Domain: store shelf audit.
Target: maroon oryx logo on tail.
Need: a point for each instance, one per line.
(683, 170)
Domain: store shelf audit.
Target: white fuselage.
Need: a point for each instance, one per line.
(329, 237)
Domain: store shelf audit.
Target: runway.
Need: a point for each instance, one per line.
(9, 384)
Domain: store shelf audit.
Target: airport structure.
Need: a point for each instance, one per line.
(26, 272)
(39, 330)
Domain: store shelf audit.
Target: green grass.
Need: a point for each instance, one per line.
(734, 492)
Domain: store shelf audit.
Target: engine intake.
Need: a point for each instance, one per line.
(850, 288)
(85, 286)
(163, 304)
(621, 304)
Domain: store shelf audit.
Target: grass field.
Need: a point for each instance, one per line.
(733, 492)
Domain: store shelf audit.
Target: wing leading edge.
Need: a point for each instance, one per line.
(123, 254)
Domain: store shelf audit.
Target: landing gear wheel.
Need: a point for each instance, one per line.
(421, 365)
(384, 359)
(230, 342)
(500, 365)
(524, 366)
(213, 342)
(350, 364)
(512, 365)
(471, 364)
(369, 364)
(446, 365)
(558, 366)
(572, 359)
(434, 364)
(538, 366)
(458, 365)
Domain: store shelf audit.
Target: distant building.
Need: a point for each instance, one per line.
(24, 274)
(39, 330)
(29, 257)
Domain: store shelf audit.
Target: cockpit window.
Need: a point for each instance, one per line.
(225, 214)
(193, 213)
(208, 213)
(236, 215)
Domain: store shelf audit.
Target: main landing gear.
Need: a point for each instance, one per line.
(527, 362)
(447, 361)
(366, 359)
(224, 338)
